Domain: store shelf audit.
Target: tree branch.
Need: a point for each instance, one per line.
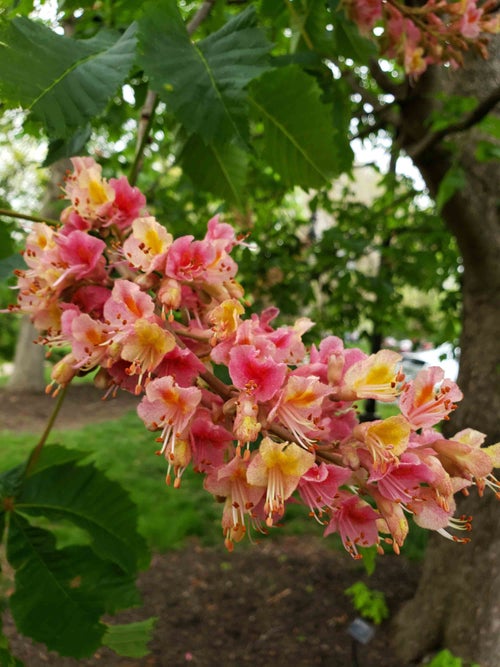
(24, 216)
(468, 121)
(399, 90)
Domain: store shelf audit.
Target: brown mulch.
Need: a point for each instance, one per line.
(280, 603)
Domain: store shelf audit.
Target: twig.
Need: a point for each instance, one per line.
(200, 16)
(468, 121)
(24, 216)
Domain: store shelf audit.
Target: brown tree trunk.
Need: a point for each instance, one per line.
(457, 605)
(28, 371)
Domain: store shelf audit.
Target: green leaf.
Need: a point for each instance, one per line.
(308, 21)
(298, 130)
(50, 603)
(61, 148)
(83, 495)
(203, 83)
(220, 169)
(6, 240)
(491, 125)
(487, 151)
(130, 639)
(63, 81)
(348, 42)
(11, 480)
(453, 180)
(9, 264)
(62, 593)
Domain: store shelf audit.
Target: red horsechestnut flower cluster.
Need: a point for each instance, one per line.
(159, 317)
(425, 33)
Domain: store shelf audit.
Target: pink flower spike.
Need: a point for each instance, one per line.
(260, 376)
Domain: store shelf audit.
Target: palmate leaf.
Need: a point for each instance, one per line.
(203, 83)
(218, 168)
(60, 489)
(64, 82)
(62, 593)
(298, 133)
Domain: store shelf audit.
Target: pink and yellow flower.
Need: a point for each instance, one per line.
(278, 466)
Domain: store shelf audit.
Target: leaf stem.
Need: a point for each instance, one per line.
(35, 454)
(9, 213)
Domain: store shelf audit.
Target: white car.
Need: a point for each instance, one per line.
(445, 356)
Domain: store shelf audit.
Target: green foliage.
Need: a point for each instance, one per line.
(62, 81)
(130, 639)
(446, 658)
(348, 42)
(453, 180)
(298, 139)
(61, 593)
(218, 168)
(217, 69)
(369, 603)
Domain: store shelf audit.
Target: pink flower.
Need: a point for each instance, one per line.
(146, 247)
(365, 13)
(209, 442)
(83, 256)
(470, 23)
(356, 523)
(260, 376)
(127, 205)
(170, 407)
(429, 398)
(127, 304)
(86, 336)
(299, 407)
(278, 466)
(230, 481)
(90, 194)
(188, 259)
(318, 487)
(385, 440)
(378, 377)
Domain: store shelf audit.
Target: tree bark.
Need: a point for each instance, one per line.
(28, 372)
(457, 605)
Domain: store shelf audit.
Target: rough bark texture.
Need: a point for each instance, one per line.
(457, 604)
(28, 372)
